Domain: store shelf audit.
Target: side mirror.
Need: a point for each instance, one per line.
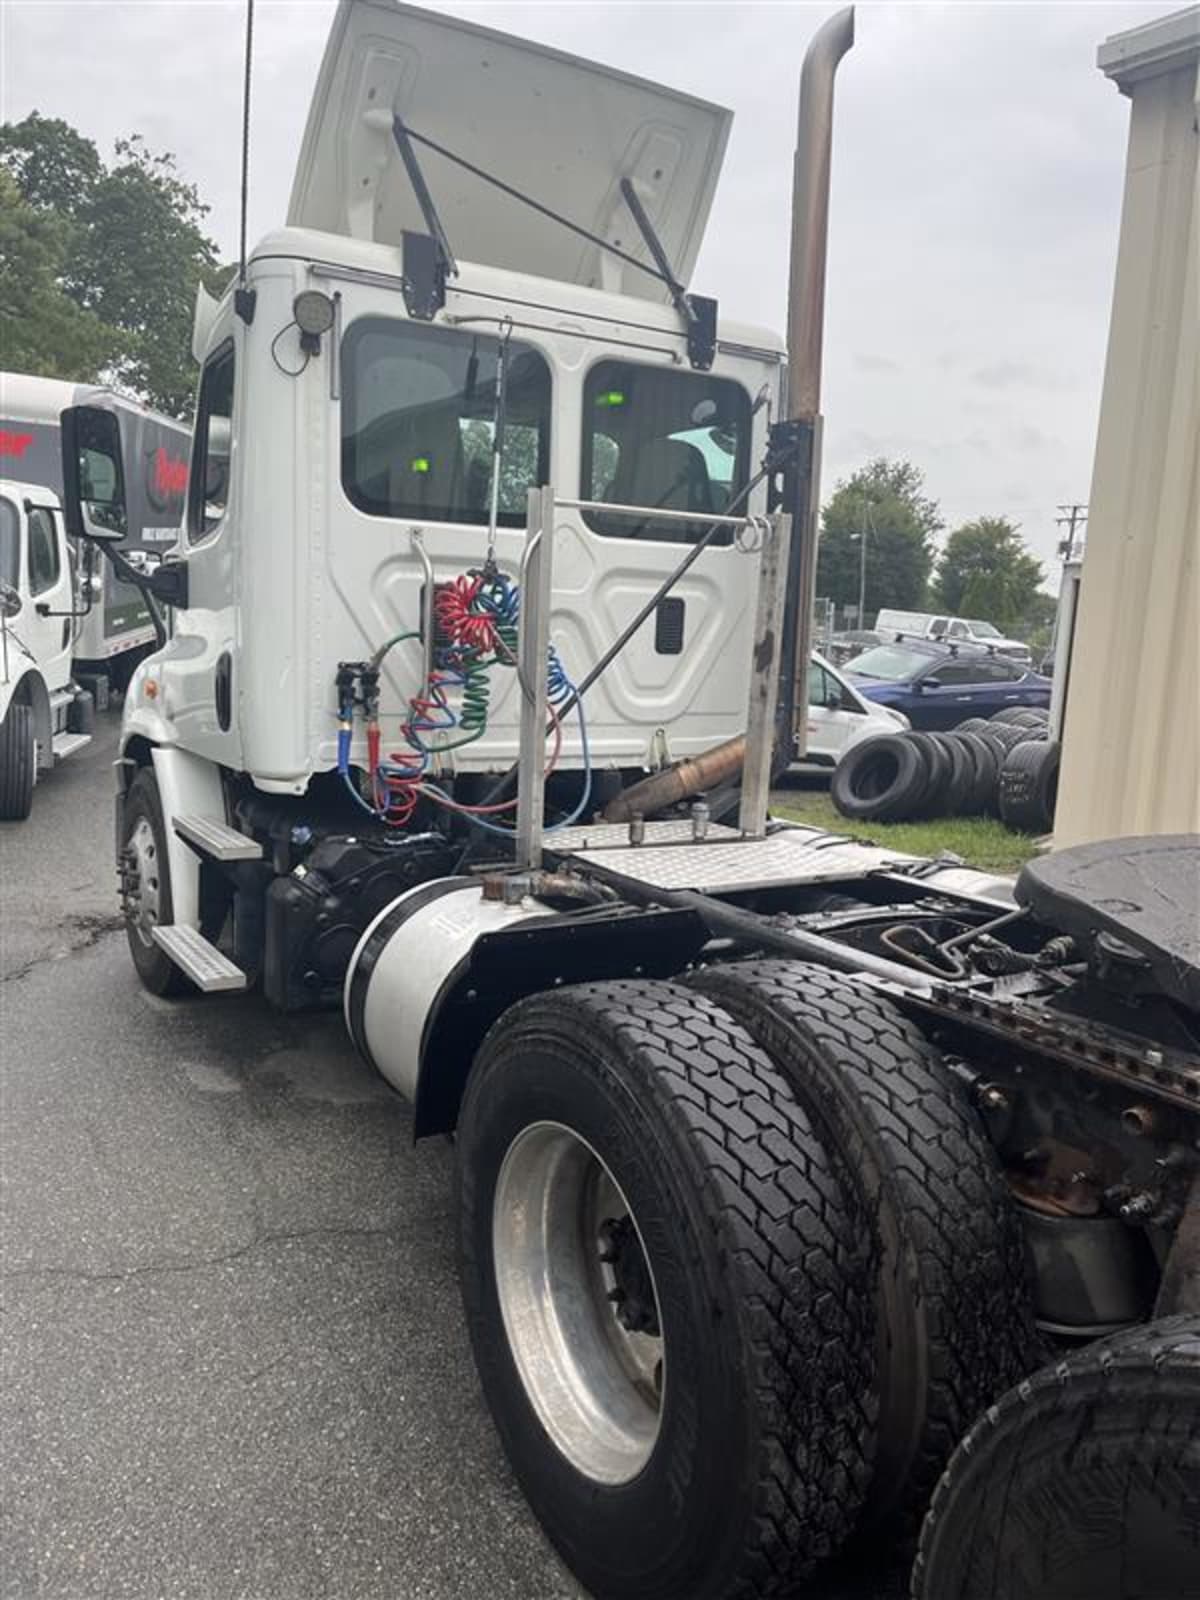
(10, 601)
(93, 475)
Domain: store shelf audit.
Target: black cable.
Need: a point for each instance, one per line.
(288, 372)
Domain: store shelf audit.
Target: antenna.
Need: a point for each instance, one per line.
(243, 298)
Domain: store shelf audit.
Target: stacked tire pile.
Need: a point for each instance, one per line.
(1005, 766)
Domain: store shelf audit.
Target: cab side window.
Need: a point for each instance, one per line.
(45, 565)
(208, 489)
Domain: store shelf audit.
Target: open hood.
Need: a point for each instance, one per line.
(562, 130)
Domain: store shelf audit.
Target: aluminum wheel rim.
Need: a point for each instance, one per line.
(596, 1387)
(143, 863)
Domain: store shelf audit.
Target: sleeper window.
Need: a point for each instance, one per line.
(418, 422)
(665, 440)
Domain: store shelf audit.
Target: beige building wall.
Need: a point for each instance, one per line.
(1131, 737)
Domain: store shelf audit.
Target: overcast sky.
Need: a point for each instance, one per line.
(978, 165)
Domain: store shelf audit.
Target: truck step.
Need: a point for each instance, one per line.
(202, 962)
(66, 744)
(215, 840)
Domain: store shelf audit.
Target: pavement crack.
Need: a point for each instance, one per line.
(90, 931)
(199, 1263)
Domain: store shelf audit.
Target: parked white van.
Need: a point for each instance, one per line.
(838, 718)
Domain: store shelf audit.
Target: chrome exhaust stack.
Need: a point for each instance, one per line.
(798, 441)
(810, 213)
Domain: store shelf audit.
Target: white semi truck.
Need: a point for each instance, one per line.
(115, 628)
(780, 1157)
(44, 715)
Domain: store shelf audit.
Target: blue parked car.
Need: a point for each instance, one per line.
(938, 685)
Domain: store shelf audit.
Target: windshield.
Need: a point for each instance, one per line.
(983, 630)
(10, 544)
(889, 662)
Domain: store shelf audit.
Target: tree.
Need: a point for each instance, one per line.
(55, 168)
(131, 250)
(985, 571)
(139, 254)
(41, 328)
(885, 498)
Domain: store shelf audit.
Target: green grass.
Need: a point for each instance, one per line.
(982, 842)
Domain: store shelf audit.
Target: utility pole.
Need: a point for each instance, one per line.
(1072, 516)
(866, 512)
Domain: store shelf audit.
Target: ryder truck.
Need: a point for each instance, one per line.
(115, 629)
(780, 1157)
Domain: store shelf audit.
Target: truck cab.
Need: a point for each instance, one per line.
(43, 716)
(394, 371)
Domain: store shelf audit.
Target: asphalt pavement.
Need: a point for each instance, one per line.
(234, 1366)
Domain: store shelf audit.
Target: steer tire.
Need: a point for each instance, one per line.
(1028, 788)
(1082, 1484)
(881, 780)
(18, 763)
(973, 725)
(955, 1313)
(762, 1448)
(143, 811)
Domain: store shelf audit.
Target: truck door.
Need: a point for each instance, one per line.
(49, 591)
(660, 439)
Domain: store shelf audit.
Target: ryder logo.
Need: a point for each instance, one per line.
(14, 444)
(166, 478)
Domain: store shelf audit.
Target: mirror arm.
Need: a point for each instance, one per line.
(167, 584)
(43, 610)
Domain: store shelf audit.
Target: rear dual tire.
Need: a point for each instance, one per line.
(954, 1311)
(750, 1463)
